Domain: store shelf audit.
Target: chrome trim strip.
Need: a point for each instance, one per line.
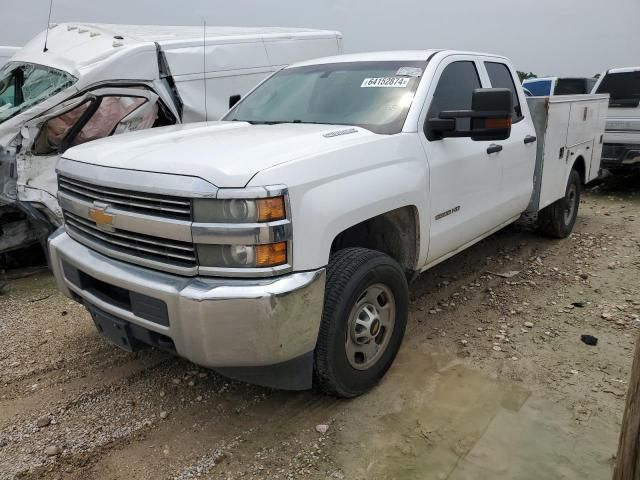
(241, 233)
(134, 259)
(139, 181)
(152, 225)
(245, 272)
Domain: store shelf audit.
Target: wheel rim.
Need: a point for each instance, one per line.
(570, 203)
(370, 326)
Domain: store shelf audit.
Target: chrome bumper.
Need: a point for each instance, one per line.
(212, 322)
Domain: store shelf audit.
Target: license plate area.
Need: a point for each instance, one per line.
(116, 330)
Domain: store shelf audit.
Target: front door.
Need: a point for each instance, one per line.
(465, 178)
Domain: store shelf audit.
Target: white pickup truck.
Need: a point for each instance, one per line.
(621, 151)
(276, 246)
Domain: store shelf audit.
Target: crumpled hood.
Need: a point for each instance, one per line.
(226, 154)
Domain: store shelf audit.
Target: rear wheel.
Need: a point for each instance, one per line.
(363, 322)
(557, 220)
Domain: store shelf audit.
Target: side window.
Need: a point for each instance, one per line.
(455, 90)
(95, 119)
(500, 77)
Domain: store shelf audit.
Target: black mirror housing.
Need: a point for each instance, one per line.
(490, 116)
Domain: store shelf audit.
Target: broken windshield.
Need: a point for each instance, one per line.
(371, 95)
(23, 85)
(624, 88)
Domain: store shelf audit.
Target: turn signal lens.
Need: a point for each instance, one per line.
(271, 254)
(270, 209)
(495, 123)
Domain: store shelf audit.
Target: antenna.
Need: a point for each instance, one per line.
(204, 67)
(46, 38)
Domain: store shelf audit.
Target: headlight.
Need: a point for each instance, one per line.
(237, 210)
(243, 256)
(243, 232)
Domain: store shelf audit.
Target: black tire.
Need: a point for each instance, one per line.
(557, 220)
(350, 273)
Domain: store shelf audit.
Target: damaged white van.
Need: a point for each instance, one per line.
(96, 80)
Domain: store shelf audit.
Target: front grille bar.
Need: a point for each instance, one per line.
(134, 201)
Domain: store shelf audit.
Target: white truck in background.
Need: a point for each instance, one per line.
(96, 80)
(276, 245)
(621, 152)
(6, 53)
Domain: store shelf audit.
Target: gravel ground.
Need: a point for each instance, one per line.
(493, 380)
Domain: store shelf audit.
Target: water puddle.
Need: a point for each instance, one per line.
(457, 424)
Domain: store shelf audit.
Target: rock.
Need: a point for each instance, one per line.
(579, 304)
(164, 415)
(463, 342)
(53, 450)
(322, 428)
(176, 381)
(43, 421)
(528, 324)
(497, 348)
(589, 340)
(606, 316)
(162, 394)
(199, 398)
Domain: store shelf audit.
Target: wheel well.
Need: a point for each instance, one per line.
(395, 233)
(580, 167)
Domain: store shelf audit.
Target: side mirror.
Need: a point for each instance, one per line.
(490, 117)
(233, 99)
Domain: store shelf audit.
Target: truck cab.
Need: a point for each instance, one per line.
(97, 80)
(621, 152)
(276, 246)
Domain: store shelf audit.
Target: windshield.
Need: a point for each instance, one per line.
(23, 85)
(371, 95)
(571, 86)
(623, 87)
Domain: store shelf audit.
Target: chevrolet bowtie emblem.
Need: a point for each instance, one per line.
(98, 214)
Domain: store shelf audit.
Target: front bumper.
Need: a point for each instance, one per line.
(213, 322)
(619, 156)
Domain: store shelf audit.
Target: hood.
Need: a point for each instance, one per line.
(226, 154)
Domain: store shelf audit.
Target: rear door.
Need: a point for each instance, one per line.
(518, 155)
(97, 114)
(464, 177)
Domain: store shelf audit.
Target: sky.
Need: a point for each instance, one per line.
(547, 37)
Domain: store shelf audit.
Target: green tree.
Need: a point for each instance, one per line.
(524, 75)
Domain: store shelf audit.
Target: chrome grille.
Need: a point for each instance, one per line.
(132, 201)
(152, 248)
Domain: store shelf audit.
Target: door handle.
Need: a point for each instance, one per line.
(494, 148)
(529, 139)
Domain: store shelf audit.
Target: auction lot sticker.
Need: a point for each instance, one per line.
(385, 82)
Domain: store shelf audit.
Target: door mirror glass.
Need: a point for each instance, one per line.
(490, 117)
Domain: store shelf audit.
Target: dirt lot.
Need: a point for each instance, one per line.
(492, 382)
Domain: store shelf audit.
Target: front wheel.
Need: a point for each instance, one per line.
(363, 322)
(557, 220)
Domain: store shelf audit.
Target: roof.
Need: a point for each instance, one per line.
(623, 70)
(392, 55)
(74, 46)
(167, 34)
